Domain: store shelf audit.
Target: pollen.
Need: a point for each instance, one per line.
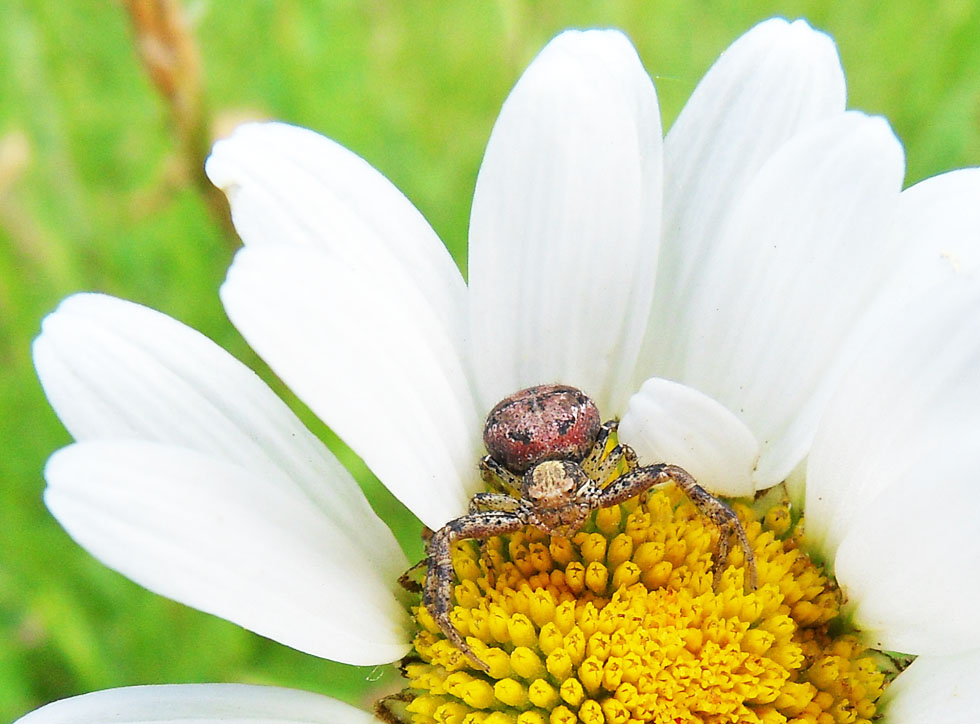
(624, 623)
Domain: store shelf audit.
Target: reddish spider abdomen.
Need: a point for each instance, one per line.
(547, 422)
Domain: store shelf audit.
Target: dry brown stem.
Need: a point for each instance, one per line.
(168, 50)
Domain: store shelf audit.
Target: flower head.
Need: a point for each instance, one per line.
(754, 296)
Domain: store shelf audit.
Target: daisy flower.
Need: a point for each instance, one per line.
(754, 296)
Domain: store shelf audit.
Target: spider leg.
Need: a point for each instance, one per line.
(487, 502)
(407, 581)
(592, 460)
(383, 707)
(438, 588)
(619, 455)
(494, 501)
(498, 478)
(654, 476)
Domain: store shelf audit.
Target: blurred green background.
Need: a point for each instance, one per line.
(98, 192)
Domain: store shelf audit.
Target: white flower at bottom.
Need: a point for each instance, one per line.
(757, 281)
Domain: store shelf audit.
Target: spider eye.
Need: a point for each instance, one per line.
(547, 422)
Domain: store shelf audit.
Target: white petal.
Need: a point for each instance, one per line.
(908, 563)
(565, 219)
(775, 81)
(892, 477)
(229, 541)
(368, 356)
(291, 186)
(668, 422)
(794, 267)
(937, 227)
(936, 690)
(114, 369)
(935, 237)
(914, 389)
(198, 703)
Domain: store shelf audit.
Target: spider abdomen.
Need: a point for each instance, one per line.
(547, 422)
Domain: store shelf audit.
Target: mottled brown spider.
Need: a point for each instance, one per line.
(546, 461)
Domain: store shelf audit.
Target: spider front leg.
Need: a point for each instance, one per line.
(438, 588)
(597, 454)
(384, 710)
(482, 502)
(653, 476)
(498, 478)
(492, 501)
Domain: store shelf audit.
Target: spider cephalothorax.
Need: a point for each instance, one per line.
(548, 466)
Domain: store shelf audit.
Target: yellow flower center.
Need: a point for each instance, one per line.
(621, 624)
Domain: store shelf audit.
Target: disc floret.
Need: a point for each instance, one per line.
(588, 588)
(623, 621)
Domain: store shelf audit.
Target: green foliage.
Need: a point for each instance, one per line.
(91, 198)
